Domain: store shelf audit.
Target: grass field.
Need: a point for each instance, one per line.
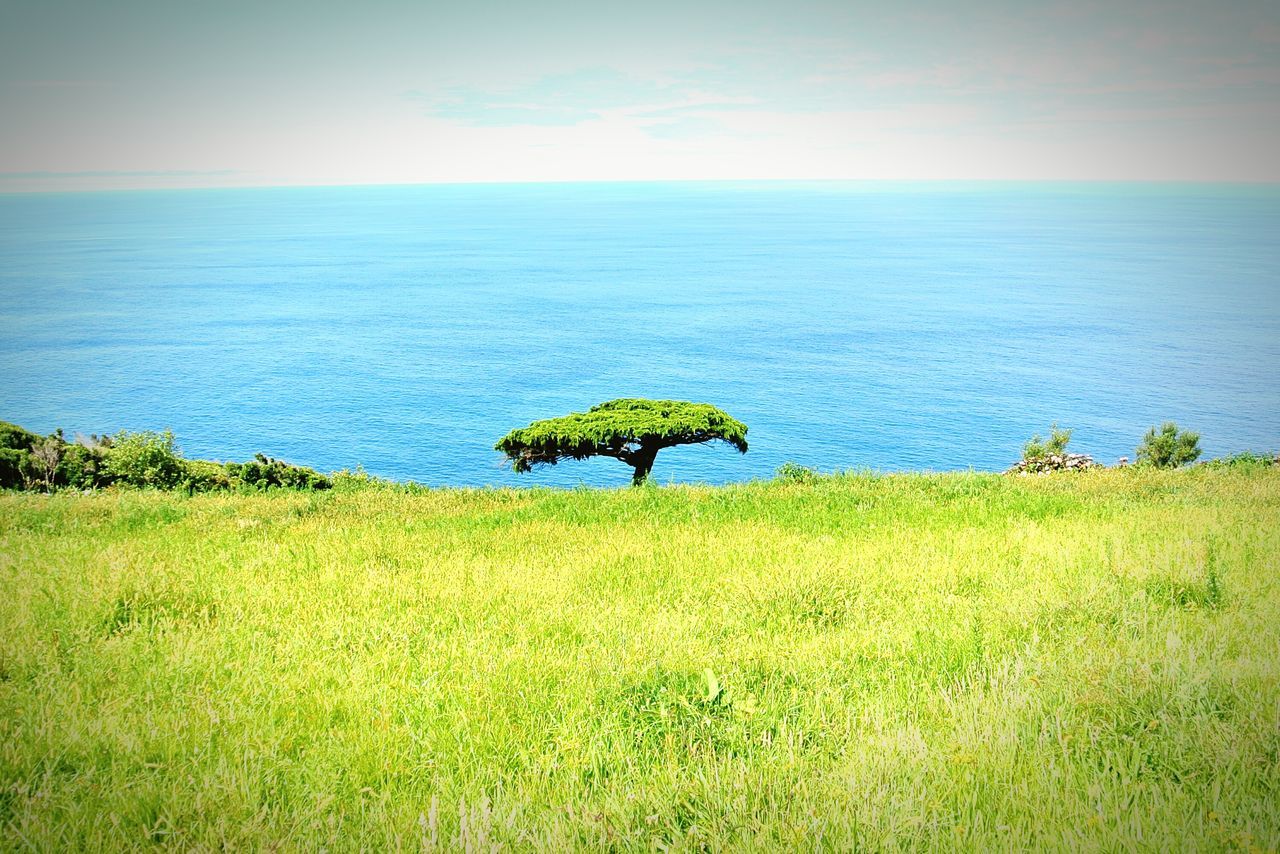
(959, 661)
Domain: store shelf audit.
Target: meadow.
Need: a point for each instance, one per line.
(918, 661)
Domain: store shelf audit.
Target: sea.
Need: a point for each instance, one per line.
(865, 325)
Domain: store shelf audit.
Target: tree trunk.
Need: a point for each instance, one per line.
(642, 461)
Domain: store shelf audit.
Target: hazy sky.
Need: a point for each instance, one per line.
(137, 93)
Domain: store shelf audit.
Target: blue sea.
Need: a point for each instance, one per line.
(850, 325)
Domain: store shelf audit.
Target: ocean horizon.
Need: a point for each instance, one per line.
(405, 328)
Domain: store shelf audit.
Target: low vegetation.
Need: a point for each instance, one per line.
(958, 661)
(139, 459)
(1046, 455)
(1038, 448)
(631, 430)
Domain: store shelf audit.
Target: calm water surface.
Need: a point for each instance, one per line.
(849, 325)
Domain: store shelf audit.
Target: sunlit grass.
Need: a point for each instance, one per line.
(939, 661)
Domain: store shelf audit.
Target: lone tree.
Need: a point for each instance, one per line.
(631, 429)
(1170, 447)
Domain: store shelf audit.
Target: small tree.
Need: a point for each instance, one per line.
(631, 430)
(47, 453)
(1170, 447)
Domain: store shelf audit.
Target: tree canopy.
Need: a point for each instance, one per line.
(632, 430)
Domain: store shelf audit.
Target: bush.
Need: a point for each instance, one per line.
(1039, 449)
(82, 467)
(347, 479)
(144, 459)
(204, 476)
(1040, 455)
(1169, 447)
(263, 473)
(1245, 459)
(15, 438)
(15, 468)
(795, 473)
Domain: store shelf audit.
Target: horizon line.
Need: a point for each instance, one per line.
(17, 176)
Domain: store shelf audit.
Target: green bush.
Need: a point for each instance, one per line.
(262, 472)
(204, 476)
(1056, 445)
(82, 467)
(348, 479)
(1245, 459)
(1169, 447)
(144, 459)
(15, 468)
(15, 438)
(796, 473)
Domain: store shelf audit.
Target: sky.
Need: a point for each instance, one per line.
(175, 93)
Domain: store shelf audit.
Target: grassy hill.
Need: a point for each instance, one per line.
(943, 661)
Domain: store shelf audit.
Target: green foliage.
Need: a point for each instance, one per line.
(1056, 445)
(82, 467)
(16, 438)
(629, 429)
(262, 472)
(1169, 447)
(1041, 456)
(616, 423)
(15, 468)
(796, 473)
(1245, 459)
(204, 476)
(144, 459)
(358, 478)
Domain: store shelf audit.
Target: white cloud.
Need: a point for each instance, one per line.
(997, 89)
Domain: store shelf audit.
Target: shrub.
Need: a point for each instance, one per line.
(1169, 447)
(1040, 455)
(1038, 449)
(263, 472)
(347, 479)
(204, 476)
(15, 468)
(796, 473)
(78, 468)
(15, 438)
(83, 464)
(1245, 459)
(144, 459)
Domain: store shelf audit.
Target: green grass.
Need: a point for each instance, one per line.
(920, 661)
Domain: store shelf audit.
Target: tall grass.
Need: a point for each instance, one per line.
(911, 661)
